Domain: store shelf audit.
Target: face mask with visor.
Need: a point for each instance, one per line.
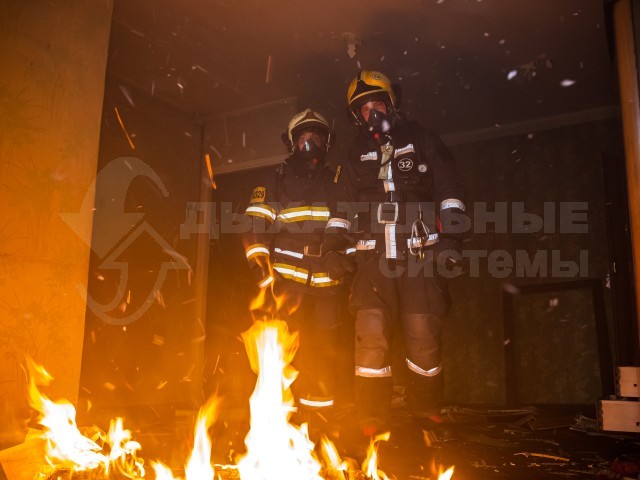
(308, 157)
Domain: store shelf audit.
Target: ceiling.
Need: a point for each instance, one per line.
(461, 64)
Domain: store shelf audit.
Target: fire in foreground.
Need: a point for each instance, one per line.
(276, 448)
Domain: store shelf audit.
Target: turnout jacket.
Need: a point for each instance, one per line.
(381, 190)
(288, 215)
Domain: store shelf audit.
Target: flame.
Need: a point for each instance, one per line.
(162, 471)
(370, 464)
(269, 305)
(122, 456)
(66, 447)
(334, 466)
(199, 465)
(446, 475)
(275, 447)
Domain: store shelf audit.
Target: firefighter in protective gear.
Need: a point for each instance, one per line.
(400, 185)
(289, 212)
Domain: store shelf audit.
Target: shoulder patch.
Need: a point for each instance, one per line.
(258, 195)
(337, 176)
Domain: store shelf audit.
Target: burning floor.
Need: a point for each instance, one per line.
(482, 443)
(275, 447)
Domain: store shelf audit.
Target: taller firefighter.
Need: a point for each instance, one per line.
(396, 194)
(289, 212)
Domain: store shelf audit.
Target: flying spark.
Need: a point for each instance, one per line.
(133, 147)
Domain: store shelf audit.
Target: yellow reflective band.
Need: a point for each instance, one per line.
(323, 280)
(256, 250)
(292, 273)
(373, 372)
(301, 214)
(262, 211)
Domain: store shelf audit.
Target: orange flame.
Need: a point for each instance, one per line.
(162, 471)
(446, 475)
(66, 447)
(269, 305)
(275, 448)
(199, 465)
(334, 466)
(122, 456)
(370, 464)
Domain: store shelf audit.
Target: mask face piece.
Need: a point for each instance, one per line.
(308, 157)
(378, 122)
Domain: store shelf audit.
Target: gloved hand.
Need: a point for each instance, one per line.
(261, 272)
(338, 264)
(446, 252)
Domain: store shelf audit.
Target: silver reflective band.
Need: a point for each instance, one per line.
(261, 210)
(366, 245)
(253, 250)
(351, 250)
(369, 156)
(288, 252)
(389, 186)
(417, 242)
(406, 149)
(390, 240)
(265, 282)
(339, 223)
(316, 403)
(452, 203)
(432, 372)
(373, 372)
(317, 280)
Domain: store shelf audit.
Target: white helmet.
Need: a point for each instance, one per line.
(306, 120)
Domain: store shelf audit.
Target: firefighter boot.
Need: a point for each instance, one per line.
(373, 404)
(425, 400)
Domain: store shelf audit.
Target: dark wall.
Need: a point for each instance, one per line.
(555, 341)
(141, 326)
(559, 165)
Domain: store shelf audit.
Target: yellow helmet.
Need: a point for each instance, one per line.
(304, 120)
(367, 86)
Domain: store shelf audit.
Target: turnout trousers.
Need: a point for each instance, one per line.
(385, 291)
(317, 319)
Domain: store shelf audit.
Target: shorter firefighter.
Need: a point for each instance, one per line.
(399, 179)
(289, 212)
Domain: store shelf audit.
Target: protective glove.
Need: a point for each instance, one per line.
(338, 264)
(261, 272)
